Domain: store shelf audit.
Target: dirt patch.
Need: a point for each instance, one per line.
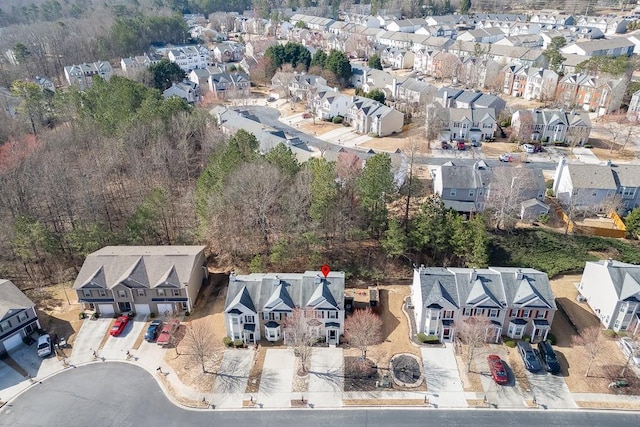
(190, 373)
(564, 288)
(58, 311)
(300, 383)
(178, 398)
(253, 383)
(360, 375)
(106, 335)
(320, 127)
(136, 345)
(519, 371)
(406, 369)
(608, 405)
(412, 139)
(385, 402)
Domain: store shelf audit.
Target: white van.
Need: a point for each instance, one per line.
(44, 345)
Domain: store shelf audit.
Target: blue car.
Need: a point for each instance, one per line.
(153, 330)
(529, 358)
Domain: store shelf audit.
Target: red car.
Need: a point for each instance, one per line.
(118, 326)
(306, 116)
(498, 372)
(167, 330)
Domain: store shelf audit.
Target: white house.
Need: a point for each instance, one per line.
(188, 57)
(187, 90)
(18, 317)
(633, 112)
(257, 305)
(612, 290)
(81, 75)
(516, 301)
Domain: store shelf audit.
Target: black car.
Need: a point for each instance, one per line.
(529, 357)
(548, 356)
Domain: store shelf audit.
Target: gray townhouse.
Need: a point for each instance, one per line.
(516, 301)
(258, 304)
(18, 317)
(144, 279)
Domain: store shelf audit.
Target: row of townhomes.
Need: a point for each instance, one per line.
(517, 301)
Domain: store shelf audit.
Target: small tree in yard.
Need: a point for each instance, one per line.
(299, 334)
(590, 341)
(200, 343)
(473, 332)
(363, 329)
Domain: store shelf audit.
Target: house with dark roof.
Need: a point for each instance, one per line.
(258, 304)
(18, 317)
(144, 279)
(572, 128)
(516, 301)
(612, 290)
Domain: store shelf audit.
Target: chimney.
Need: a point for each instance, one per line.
(474, 276)
(445, 99)
(317, 280)
(232, 276)
(519, 275)
(276, 281)
(609, 163)
(394, 87)
(608, 262)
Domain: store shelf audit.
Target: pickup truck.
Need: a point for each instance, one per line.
(168, 329)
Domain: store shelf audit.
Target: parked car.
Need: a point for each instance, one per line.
(460, 145)
(167, 331)
(44, 345)
(548, 356)
(270, 99)
(306, 116)
(444, 145)
(528, 148)
(630, 349)
(498, 371)
(506, 157)
(119, 325)
(529, 358)
(153, 330)
(475, 143)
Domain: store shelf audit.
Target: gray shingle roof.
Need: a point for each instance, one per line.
(624, 277)
(592, 176)
(627, 175)
(12, 298)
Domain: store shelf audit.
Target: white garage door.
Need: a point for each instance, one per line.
(106, 309)
(143, 309)
(164, 308)
(12, 342)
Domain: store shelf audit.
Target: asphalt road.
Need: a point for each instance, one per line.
(269, 116)
(120, 394)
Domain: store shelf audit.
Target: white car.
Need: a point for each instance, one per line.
(528, 148)
(44, 345)
(630, 349)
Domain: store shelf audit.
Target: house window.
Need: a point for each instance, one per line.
(332, 315)
(471, 193)
(478, 312)
(594, 194)
(140, 292)
(623, 308)
(176, 292)
(86, 293)
(493, 313)
(466, 311)
(5, 325)
(184, 306)
(102, 293)
(526, 313)
(235, 320)
(616, 324)
(452, 192)
(160, 292)
(447, 314)
(541, 314)
(249, 318)
(122, 294)
(22, 316)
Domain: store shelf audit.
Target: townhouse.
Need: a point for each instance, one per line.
(18, 317)
(144, 279)
(633, 112)
(258, 305)
(517, 302)
(607, 25)
(135, 63)
(600, 95)
(459, 98)
(81, 75)
(187, 90)
(597, 187)
(482, 35)
(235, 85)
(228, 52)
(551, 126)
(187, 57)
(603, 47)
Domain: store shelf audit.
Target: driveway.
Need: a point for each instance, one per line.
(550, 391)
(277, 378)
(231, 381)
(117, 347)
(88, 339)
(585, 155)
(443, 379)
(326, 377)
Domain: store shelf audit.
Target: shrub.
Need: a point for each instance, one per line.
(428, 339)
(337, 119)
(543, 218)
(238, 343)
(95, 315)
(510, 343)
(186, 313)
(152, 315)
(227, 341)
(610, 333)
(526, 338)
(551, 339)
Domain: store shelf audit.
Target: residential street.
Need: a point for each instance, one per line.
(120, 394)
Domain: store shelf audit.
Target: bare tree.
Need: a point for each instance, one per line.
(590, 341)
(200, 343)
(299, 334)
(363, 329)
(473, 332)
(509, 186)
(621, 131)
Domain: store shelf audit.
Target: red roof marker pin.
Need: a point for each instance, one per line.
(325, 270)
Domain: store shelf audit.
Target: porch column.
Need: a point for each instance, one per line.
(498, 334)
(546, 332)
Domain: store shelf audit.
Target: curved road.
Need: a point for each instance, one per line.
(120, 394)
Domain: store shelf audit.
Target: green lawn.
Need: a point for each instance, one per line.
(555, 253)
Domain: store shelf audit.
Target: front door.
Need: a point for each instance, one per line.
(124, 306)
(446, 334)
(332, 336)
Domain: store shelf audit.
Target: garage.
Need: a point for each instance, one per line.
(164, 309)
(12, 342)
(142, 309)
(106, 309)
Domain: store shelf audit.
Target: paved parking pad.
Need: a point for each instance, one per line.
(88, 339)
(443, 379)
(326, 377)
(277, 377)
(504, 396)
(231, 383)
(550, 391)
(117, 347)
